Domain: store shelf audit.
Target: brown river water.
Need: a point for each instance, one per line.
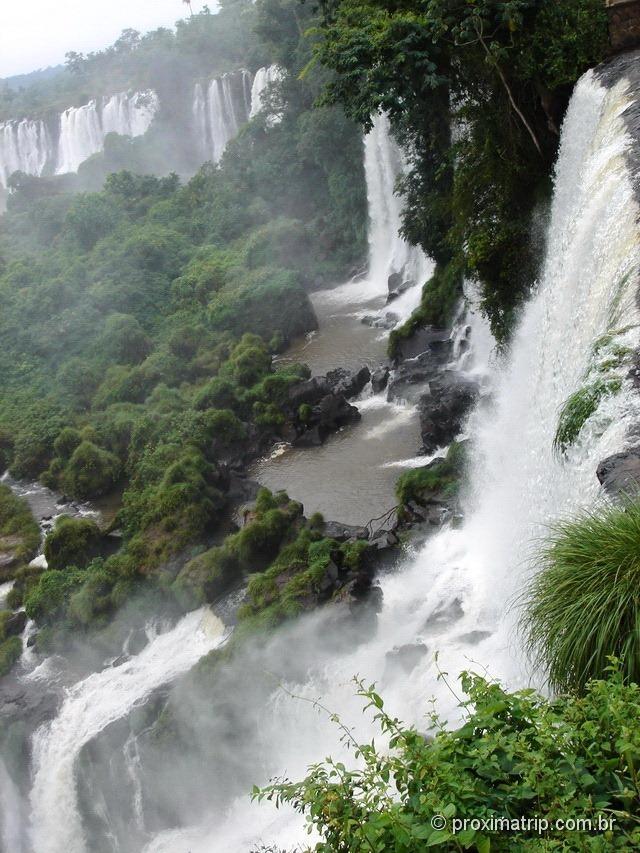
(352, 477)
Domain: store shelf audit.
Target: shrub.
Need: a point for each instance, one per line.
(583, 605)
(516, 757)
(18, 525)
(47, 600)
(440, 295)
(91, 472)
(10, 652)
(440, 477)
(72, 542)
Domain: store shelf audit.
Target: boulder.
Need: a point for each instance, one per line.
(394, 281)
(346, 382)
(444, 408)
(380, 379)
(376, 321)
(415, 371)
(429, 338)
(343, 532)
(311, 391)
(620, 474)
(15, 624)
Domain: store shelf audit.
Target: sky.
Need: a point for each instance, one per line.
(38, 33)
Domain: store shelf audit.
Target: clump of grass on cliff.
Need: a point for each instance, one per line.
(578, 409)
(583, 606)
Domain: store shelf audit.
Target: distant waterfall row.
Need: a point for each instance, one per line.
(59, 145)
(38, 146)
(221, 108)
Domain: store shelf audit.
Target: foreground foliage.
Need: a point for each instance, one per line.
(515, 756)
(583, 605)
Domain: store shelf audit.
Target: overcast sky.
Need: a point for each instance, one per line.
(38, 33)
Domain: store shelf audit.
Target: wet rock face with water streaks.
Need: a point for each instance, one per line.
(444, 409)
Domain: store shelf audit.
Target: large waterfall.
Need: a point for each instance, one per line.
(455, 596)
(37, 147)
(60, 144)
(83, 129)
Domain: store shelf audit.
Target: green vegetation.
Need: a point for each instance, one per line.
(440, 295)
(19, 532)
(10, 651)
(72, 542)
(286, 558)
(439, 479)
(203, 44)
(582, 606)
(139, 319)
(578, 409)
(502, 72)
(516, 757)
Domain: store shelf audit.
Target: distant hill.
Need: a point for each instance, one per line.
(42, 75)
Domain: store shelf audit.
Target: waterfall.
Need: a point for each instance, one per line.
(456, 596)
(25, 146)
(388, 253)
(83, 129)
(88, 708)
(264, 77)
(29, 146)
(219, 113)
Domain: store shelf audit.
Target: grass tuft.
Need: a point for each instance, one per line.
(584, 605)
(578, 409)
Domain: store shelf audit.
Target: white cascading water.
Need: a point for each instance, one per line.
(220, 111)
(457, 596)
(83, 129)
(27, 145)
(88, 708)
(264, 77)
(388, 252)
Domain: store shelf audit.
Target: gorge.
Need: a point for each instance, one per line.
(422, 338)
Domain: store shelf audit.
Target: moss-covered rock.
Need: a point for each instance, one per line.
(72, 542)
(438, 481)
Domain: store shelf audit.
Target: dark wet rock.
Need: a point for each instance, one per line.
(620, 474)
(474, 637)
(444, 616)
(394, 281)
(309, 392)
(384, 540)
(343, 532)
(388, 321)
(380, 379)
(427, 339)
(334, 412)
(347, 383)
(15, 624)
(309, 438)
(241, 488)
(407, 657)
(413, 372)
(444, 408)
